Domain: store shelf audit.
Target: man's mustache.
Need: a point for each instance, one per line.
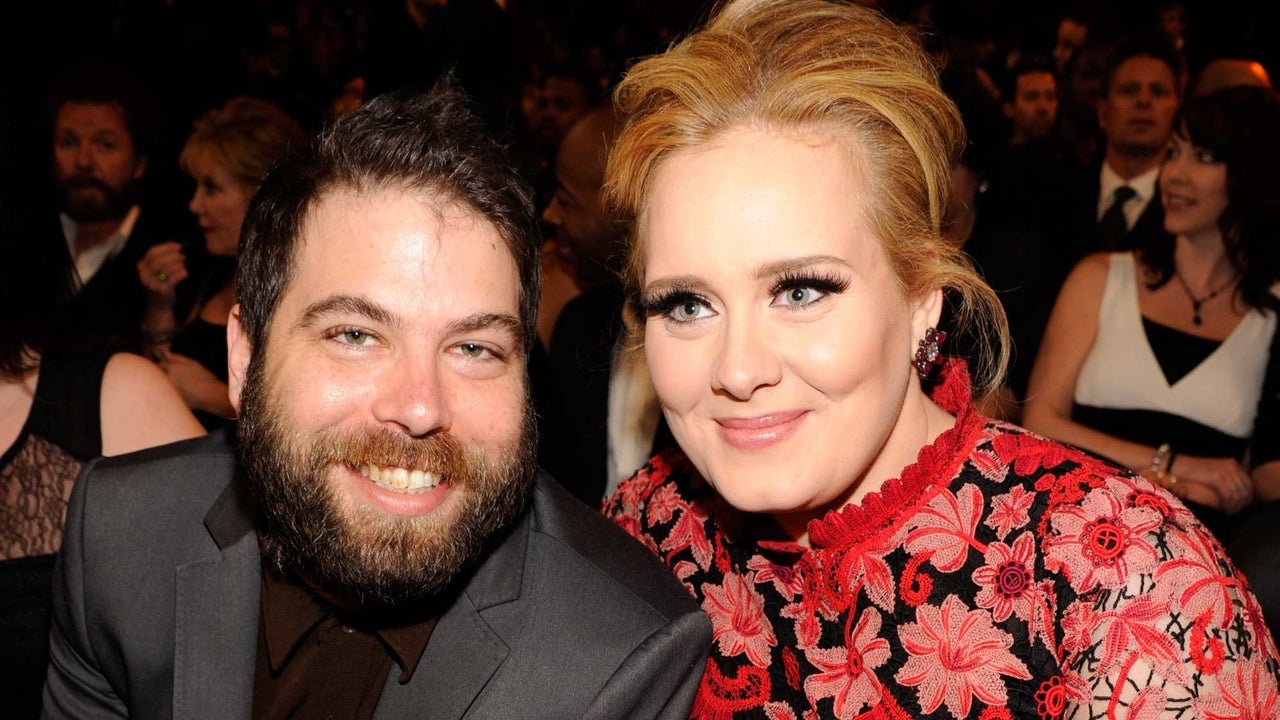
(81, 182)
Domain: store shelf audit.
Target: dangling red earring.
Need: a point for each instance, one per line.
(928, 352)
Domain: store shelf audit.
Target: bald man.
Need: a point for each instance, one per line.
(589, 244)
(1229, 72)
(587, 327)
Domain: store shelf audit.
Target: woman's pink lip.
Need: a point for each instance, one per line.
(755, 433)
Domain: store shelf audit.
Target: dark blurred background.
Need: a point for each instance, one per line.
(299, 53)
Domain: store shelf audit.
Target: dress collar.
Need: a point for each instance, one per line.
(935, 464)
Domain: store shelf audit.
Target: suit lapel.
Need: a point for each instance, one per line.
(215, 647)
(465, 650)
(461, 656)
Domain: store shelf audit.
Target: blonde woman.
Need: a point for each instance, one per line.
(863, 548)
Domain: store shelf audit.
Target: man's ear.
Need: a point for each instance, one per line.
(140, 168)
(239, 350)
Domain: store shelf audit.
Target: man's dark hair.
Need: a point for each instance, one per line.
(1027, 65)
(1146, 43)
(105, 83)
(430, 141)
(594, 86)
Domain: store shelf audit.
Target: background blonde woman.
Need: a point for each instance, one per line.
(229, 151)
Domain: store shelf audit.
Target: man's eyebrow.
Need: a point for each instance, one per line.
(487, 321)
(356, 305)
(348, 305)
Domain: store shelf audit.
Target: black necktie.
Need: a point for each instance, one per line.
(1112, 227)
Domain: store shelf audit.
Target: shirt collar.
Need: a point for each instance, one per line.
(1144, 185)
(290, 612)
(91, 260)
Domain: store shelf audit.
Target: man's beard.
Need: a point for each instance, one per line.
(81, 204)
(367, 557)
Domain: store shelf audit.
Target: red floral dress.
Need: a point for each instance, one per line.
(1003, 575)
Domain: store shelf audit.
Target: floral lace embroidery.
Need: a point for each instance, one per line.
(1003, 575)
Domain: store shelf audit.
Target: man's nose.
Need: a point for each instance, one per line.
(412, 396)
(84, 155)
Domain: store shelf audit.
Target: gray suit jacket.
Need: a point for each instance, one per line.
(156, 598)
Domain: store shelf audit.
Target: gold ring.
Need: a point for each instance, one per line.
(162, 276)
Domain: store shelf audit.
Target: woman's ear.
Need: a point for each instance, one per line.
(927, 314)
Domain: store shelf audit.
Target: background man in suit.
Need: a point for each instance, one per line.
(1140, 94)
(380, 543)
(104, 130)
(1112, 203)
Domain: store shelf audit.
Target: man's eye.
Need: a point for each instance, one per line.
(355, 337)
(478, 351)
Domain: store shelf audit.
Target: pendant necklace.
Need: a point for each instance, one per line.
(1197, 302)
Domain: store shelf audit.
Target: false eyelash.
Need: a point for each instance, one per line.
(668, 300)
(828, 283)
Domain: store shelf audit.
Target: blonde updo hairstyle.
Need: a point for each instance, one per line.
(829, 68)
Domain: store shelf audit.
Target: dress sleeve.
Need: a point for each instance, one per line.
(1162, 624)
(1264, 446)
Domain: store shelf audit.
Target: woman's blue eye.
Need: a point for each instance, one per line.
(800, 296)
(687, 311)
(677, 307)
(800, 290)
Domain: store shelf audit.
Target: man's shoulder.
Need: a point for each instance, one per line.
(187, 471)
(585, 542)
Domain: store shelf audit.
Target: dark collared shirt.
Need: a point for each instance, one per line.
(315, 662)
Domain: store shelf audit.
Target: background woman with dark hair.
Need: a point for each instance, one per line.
(1164, 359)
(60, 405)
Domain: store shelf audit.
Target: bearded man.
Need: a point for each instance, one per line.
(379, 542)
(104, 128)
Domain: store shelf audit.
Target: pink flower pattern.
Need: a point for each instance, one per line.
(1103, 543)
(1006, 579)
(847, 672)
(1009, 511)
(1043, 583)
(956, 654)
(738, 623)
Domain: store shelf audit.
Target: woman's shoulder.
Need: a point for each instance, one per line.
(1097, 265)
(661, 491)
(667, 473)
(127, 373)
(141, 407)
(1088, 277)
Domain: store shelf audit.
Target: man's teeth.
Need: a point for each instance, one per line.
(398, 478)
